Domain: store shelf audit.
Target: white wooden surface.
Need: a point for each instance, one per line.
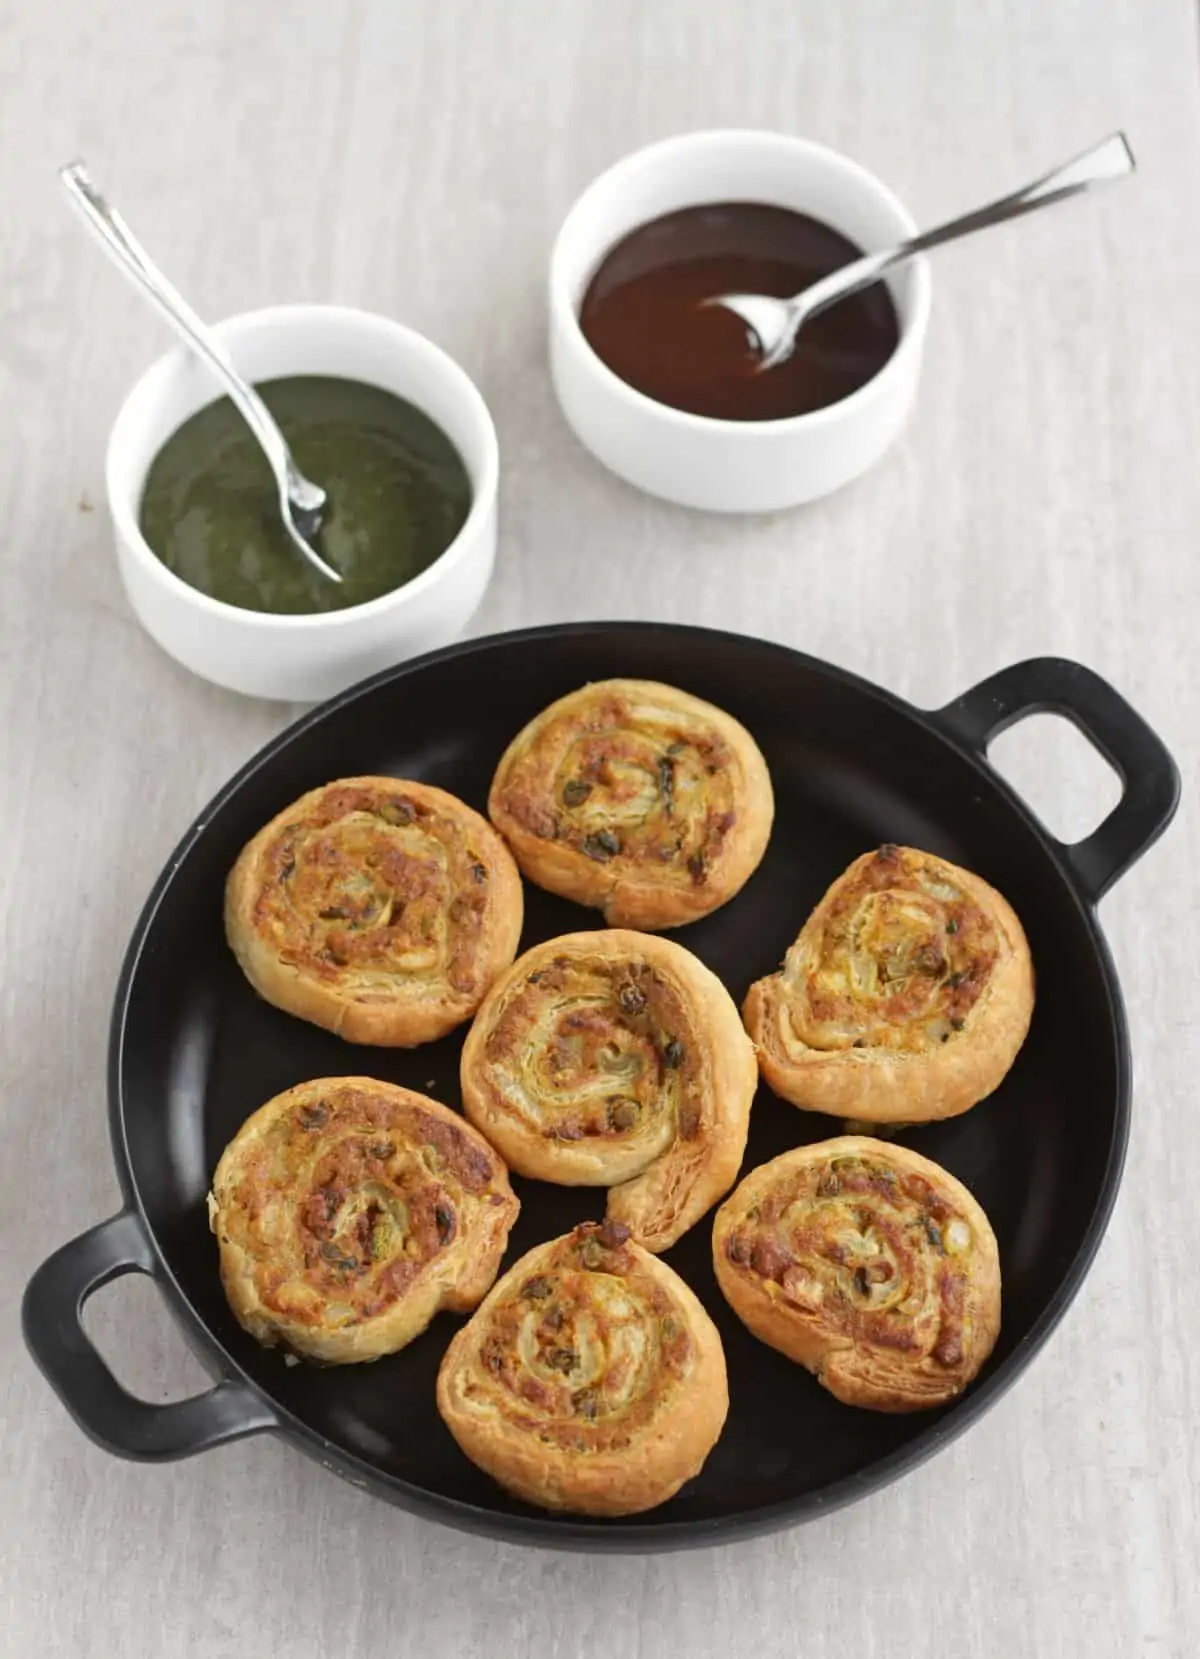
(415, 156)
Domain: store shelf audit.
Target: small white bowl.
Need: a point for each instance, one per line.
(304, 658)
(731, 466)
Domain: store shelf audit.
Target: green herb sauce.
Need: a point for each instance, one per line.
(398, 495)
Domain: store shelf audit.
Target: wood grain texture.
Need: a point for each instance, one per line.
(415, 156)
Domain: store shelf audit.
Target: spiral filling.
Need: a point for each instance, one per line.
(587, 1350)
(596, 1050)
(874, 1255)
(349, 1199)
(897, 960)
(373, 888)
(634, 783)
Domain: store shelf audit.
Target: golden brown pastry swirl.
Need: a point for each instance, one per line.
(348, 1211)
(905, 997)
(637, 799)
(591, 1379)
(868, 1264)
(379, 908)
(615, 1059)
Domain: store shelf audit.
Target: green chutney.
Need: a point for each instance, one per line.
(398, 495)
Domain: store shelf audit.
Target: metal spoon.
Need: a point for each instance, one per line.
(301, 502)
(776, 322)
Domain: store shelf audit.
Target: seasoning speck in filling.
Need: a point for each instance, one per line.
(602, 845)
(586, 1404)
(623, 1114)
(631, 999)
(398, 495)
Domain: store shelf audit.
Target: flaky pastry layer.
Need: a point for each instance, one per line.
(906, 996)
(379, 908)
(348, 1211)
(636, 799)
(615, 1059)
(867, 1263)
(590, 1380)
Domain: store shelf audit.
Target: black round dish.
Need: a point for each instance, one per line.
(193, 1052)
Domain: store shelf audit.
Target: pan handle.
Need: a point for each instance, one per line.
(1055, 685)
(114, 1418)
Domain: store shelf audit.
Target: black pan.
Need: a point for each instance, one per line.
(193, 1052)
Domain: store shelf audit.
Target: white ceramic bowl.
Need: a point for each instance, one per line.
(731, 466)
(304, 658)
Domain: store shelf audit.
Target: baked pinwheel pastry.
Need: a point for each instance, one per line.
(348, 1211)
(866, 1263)
(378, 908)
(636, 799)
(591, 1379)
(906, 996)
(615, 1059)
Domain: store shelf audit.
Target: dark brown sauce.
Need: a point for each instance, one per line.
(643, 317)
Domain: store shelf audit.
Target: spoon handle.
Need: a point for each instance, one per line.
(298, 495)
(1105, 162)
(107, 224)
